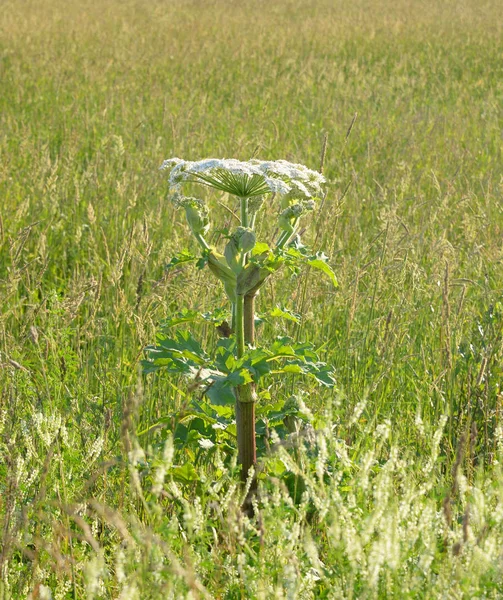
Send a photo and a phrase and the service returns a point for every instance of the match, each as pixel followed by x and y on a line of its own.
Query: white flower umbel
pixel 247 179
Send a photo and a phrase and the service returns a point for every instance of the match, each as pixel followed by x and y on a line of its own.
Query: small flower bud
pixel 241 241
pixel 196 211
pixel 288 216
pixel 293 212
pixel 246 238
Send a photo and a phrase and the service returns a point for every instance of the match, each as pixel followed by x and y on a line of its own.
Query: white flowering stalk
pixel 247 179
pixel 297 188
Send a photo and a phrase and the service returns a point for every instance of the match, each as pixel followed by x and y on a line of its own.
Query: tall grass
pixel 93 97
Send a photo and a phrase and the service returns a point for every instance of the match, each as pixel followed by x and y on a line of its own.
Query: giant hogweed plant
pixel 230 374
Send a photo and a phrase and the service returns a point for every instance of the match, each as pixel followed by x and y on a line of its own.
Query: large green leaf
pixel 320 263
pixel 185 474
pixel 183 316
pixel 220 393
pixel 285 313
pixel 284 356
pixel 181 257
pixel 180 354
pixel 297 255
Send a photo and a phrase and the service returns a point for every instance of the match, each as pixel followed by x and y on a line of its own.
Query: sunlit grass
pixel 93 97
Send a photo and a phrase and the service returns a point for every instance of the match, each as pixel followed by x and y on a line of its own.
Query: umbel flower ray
pixel 247 179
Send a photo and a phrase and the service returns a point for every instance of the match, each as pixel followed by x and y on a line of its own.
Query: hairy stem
pixel 244 211
pixel 286 235
pixel 202 242
pixel 244 223
pixel 252 221
pixel 245 419
pixel 249 318
pixel 245 394
pixel 245 415
pixel 240 333
pixel 233 316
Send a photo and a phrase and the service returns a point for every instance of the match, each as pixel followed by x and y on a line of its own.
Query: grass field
pixel 398 491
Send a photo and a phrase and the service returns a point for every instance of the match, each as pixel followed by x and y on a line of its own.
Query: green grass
pixel 93 96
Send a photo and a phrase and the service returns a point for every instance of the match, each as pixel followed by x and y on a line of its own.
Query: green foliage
pixel 285 313
pixel 297 255
pixel 218 373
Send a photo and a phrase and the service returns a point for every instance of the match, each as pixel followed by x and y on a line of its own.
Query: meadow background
pixel 398 489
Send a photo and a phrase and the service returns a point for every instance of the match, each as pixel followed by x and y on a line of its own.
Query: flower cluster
pixel 295 186
pixel 196 211
pixel 292 213
pixel 247 179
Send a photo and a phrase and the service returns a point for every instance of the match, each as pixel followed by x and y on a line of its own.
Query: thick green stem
pixel 252 221
pixel 233 316
pixel 245 419
pixel 244 223
pixel 286 235
pixel 202 242
pixel 245 414
pixel 244 211
pixel 245 394
pixel 249 318
pixel 240 332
